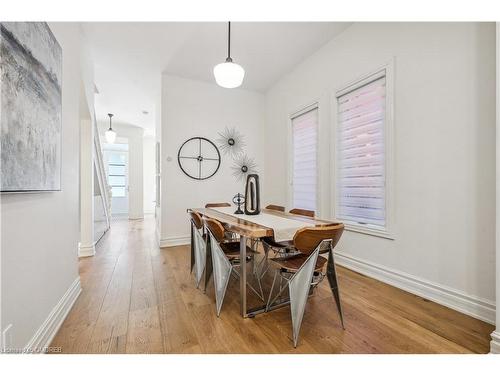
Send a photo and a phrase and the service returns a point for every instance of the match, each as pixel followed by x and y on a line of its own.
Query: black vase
pixel 252 195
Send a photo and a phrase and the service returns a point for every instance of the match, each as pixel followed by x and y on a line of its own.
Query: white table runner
pixel 284 228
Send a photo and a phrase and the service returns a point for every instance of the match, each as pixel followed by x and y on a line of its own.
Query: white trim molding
pixel 174 241
pixel 476 307
pixel 495 336
pixel 45 334
pixel 86 250
pixel 495 343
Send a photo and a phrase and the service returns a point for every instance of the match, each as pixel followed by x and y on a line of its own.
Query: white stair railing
pixel 101 176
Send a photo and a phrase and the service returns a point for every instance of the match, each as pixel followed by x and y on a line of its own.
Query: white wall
pixel 192 108
pixel 158 163
pixel 444 120
pixel 86 246
pixel 149 174
pixel 40 232
pixel 136 181
pixel 134 136
pixel 495 336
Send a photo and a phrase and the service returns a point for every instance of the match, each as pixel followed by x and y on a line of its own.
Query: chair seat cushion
pixel 294 262
pixel 232 249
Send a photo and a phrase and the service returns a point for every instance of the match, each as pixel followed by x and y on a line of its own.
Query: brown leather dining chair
pixel 275 207
pixel 279 248
pixel 303 212
pixel 223 204
pixel 305 270
pixel 284 248
pixel 226 260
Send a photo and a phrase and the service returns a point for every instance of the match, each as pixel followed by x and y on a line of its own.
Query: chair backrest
pixel 306 240
pixel 196 219
pixel 275 208
pixel 208 205
pixel 215 227
pixel 301 211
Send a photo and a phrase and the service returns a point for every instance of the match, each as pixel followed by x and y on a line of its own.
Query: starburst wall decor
pixel 243 166
pixel 231 142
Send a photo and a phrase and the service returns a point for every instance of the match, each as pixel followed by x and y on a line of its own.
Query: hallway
pixel 137 298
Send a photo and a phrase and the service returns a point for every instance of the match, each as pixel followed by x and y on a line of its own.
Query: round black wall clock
pixel 199 158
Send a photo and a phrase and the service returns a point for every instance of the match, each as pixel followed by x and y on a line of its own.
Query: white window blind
pixel 305 139
pixel 361 192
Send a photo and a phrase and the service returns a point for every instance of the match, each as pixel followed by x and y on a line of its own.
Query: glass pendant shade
pixel 110 136
pixel 229 75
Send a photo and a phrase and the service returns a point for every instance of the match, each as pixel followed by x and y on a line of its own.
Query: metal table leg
pixel 243 276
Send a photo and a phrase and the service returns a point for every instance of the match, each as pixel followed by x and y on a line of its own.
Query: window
pixel 304 168
pixel 361 149
pixel 117 162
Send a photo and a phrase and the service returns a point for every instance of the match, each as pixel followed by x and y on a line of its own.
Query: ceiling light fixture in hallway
pixel 110 133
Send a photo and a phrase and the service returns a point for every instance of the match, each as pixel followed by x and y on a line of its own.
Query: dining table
pixel 280 226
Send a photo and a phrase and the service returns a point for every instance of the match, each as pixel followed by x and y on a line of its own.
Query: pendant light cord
pixel 229 42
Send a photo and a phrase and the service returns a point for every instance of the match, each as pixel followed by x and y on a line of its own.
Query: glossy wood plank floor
pixel 138 298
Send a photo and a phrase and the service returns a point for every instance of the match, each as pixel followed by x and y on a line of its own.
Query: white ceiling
pixel 130 57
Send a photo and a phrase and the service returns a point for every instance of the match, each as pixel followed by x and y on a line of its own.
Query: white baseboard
pixel 86 250
pixel 495 342
pixel 174 241
pixel 474 306
pixel 45 334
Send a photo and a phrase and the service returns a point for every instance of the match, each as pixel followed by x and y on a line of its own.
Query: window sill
pixel 351 227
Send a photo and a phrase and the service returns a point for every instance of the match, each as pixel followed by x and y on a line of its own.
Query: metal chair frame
pixel 208 266
pixel 198 253
pixel 279 252
pixel 193 229
pixel 298 291
pixel 221 263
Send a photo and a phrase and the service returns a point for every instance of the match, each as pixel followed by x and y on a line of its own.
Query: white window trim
pixel 314 105
pixel 388 232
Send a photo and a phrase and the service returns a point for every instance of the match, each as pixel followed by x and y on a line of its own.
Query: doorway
pixel 116 162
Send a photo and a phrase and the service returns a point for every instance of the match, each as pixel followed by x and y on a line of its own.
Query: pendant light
pixel 110 133
pixel 229 74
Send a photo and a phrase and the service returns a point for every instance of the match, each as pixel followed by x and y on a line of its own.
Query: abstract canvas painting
pixel 30 107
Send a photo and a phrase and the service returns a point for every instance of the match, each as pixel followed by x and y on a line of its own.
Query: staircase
pixel 102 191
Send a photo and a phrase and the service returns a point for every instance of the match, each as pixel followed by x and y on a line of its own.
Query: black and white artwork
pixel 30 106
pixel 231 142
pixel 243 166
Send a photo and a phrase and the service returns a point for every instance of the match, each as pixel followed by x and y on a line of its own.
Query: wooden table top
pixel 253 230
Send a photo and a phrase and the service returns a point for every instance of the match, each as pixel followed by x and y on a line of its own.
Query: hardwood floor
pixel 138 298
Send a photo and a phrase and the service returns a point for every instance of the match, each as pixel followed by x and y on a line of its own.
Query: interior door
pixel 117 163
